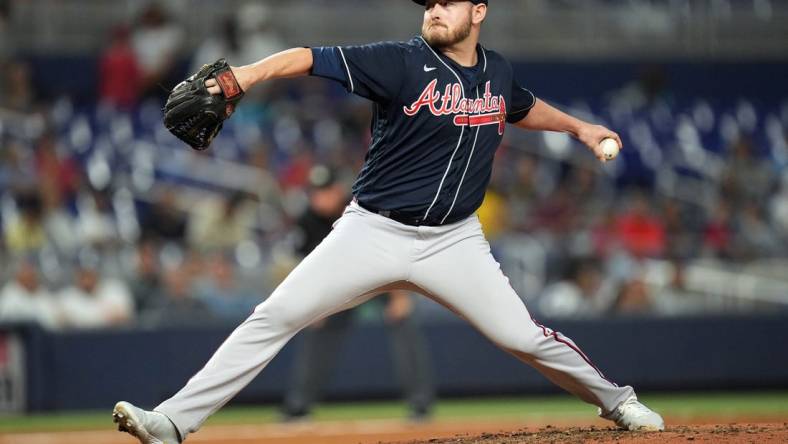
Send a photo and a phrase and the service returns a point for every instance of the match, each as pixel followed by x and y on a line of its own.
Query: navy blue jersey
pixel 435 125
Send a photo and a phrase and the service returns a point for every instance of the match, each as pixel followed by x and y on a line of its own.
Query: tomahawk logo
pixel 486 110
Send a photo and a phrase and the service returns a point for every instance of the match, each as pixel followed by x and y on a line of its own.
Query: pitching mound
pixel 719 433
pixel 439 432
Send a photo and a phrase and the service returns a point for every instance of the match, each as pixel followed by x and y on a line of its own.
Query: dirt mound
pixel 439 432
pixel 714 433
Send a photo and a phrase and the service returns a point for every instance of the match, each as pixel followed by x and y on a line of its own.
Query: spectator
pixel 194 265
pixel 94 301
pixel 681 228
pixel 591 194
pixel 650 86
pixel 525 186
pixel 295 173
pixel 641 231
pixel 16 167
pixel 41 217
pixel 603 234
pixel 17 88
pixel 222 293
pixel 754 237
pixel 555 213
pixel 493 215
pixel 61 228
pixel 96 219
pixel 592 197
pixel 675 299
pixel 223 44
pixel 243 39
pixel 146 282
pixel 718 233
pixel 220 224
pixel 176 307
pixel 164 221
pixel 633 299
pixel 746 177
pixel 25 233
pixel 24 299
pixel 156 40
pixel 270 205
pixel 577 295
pixel 778 209
pixel 57 173
pixel 258 28
pixel 120 76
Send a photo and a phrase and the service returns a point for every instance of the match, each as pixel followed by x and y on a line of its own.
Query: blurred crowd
pixel 84 245
pixel 599 243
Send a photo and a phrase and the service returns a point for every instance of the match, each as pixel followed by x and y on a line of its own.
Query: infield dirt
pixel 716 433
pixel 438 432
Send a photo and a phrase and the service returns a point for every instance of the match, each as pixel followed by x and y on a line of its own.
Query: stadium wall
pixel 92 370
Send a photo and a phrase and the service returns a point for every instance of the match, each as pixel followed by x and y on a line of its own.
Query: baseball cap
pixel 475 2
pixel 321 176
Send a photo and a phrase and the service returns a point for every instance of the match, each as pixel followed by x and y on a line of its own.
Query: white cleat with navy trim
pixel 634 416
pixel 148 427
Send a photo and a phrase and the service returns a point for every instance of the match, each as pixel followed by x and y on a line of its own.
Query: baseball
pixel 609 148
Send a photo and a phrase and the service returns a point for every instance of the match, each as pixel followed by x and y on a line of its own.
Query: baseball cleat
pixel 148 427
pixel 634 416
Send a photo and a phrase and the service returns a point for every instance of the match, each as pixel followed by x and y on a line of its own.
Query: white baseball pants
pixel 364 255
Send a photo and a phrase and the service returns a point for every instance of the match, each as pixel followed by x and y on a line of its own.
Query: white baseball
pixel 609 148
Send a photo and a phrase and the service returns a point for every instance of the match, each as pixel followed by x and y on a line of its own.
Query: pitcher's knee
pixel 517 341
pixel 282 316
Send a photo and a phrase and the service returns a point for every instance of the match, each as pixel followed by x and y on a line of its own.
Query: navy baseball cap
pixel 475 2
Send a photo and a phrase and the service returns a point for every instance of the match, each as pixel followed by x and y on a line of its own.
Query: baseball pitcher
pixel 441 104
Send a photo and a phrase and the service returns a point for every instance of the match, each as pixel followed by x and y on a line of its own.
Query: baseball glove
pixel 193 114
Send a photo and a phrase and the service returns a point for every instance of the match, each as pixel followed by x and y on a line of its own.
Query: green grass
pixel 678 405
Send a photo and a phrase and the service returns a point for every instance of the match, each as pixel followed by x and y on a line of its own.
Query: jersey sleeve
pixel 522 102
pixel 374 71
